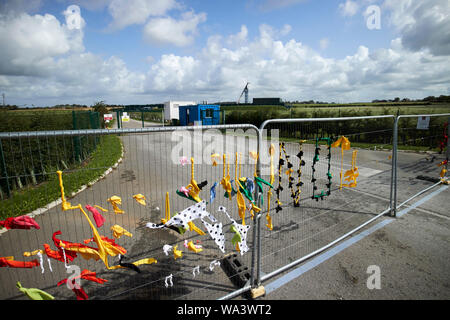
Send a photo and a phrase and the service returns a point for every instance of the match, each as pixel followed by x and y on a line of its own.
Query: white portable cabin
pixel 171 110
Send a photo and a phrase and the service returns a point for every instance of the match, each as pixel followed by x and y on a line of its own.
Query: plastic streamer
pixel 299 174
pixel 279 187
pixel 213 264
pixel 269 193
pixel 168 281
pixel 196 270
pixel 322 194
pixel 193 187
pixel 289 172
pixel 239 197
pixel 344 143
pixel 352 174
pixel 225 182
pixel 167 248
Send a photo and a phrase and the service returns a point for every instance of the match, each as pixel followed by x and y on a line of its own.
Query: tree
pixel 100 107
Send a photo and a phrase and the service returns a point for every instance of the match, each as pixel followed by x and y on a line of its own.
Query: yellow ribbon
pixel 193 187
pixel 269 193
pixel 167 210
pixel 140 198
pixel 119 231
pixel 177 253
pixel 214 158
pixel 239 197
pixel 345 145
pixel 115 201
pixel 192 247
pixel 225 182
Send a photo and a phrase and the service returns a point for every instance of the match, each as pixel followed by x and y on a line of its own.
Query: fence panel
pixel 421 155
pixel 145 161
pixel 314 213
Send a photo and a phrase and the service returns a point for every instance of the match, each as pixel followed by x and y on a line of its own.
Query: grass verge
pixel 107 153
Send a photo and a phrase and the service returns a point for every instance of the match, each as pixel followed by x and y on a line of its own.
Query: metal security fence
pixel 148 164
pixel 329 186
pixel 277 194
pixel 24 162
pixel 421 152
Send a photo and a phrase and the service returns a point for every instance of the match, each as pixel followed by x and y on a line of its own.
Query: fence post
pixel 3 170
pixel 448 143
pixel 258 217
pixel 255 276
pixel 76 139
pixel 118 119
pixel 393 192
pixel 93 124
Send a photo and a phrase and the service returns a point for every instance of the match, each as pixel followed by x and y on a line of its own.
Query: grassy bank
pixel 106 154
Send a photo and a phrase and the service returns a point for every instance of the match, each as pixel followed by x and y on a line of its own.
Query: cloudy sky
pixel 151 51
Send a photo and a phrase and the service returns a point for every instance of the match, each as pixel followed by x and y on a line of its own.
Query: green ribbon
pixel 35 294
pixel 237 237
pixel 181 194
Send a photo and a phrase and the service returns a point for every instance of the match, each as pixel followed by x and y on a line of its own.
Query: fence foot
pixel 258 292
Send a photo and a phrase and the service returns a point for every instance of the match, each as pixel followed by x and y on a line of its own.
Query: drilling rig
pixel 246 94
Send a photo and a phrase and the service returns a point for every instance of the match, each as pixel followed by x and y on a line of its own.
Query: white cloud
pixel 173 72
pixel 421 24
pixel 45 60
pixel 349 8
pixel 294 71
pixel 167 30
pixel 34 41
pixel 78 78
pixel 42 64
pixel 129 12
pixel 238 39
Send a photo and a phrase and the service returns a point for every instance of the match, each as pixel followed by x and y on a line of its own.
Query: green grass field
pixel 48 119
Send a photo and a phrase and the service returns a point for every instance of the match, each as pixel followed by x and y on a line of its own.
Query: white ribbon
pixel 212 264
pixel 167 248
pixel 49 265
pixel 196 270
pixel 41 261
pixel 65 259
pixel 168 278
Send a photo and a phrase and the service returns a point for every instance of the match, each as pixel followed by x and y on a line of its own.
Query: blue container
pixel 205 114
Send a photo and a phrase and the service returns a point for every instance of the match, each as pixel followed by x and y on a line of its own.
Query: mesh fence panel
pixel 325 211
pixel 422 153
pixel 146 167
